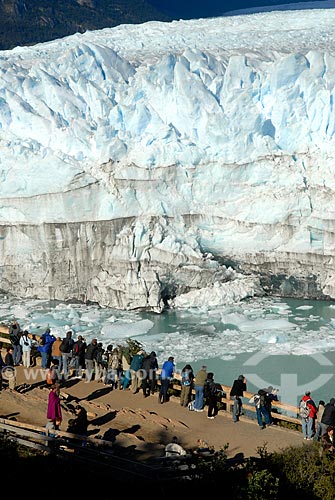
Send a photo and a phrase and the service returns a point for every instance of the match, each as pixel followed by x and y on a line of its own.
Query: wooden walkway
pixel 282 412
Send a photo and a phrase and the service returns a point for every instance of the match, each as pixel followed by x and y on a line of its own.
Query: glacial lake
pixel 286 343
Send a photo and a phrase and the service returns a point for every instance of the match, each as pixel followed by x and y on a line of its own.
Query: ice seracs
pixel 141 163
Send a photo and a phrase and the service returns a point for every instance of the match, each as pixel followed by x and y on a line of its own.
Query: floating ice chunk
pixel 264 324
pixel 218 294
pixel 127 330
pixel 270 338
pixel 19 312
pixel 48 320
pixel 91 316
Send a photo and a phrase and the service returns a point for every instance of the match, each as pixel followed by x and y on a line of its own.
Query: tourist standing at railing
pixel 14 337
pixel 125 375
pixel 114 367
pixel 25 343
pixel 211 395
pixel 328 417
pixel 100 364
pixel 78 356
pixel 271 395
pixel 45 346
pixel 263 417
pixel 307 423
pixel 56 353
pixel 66 350
pixel 90 355
pixel 236 393
pixel 166 375
pixel 319 415
pixel 150 367
pixel 187 378
pixel 136 371
pixel 199 384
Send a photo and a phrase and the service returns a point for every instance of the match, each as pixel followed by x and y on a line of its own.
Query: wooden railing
pixel 87 449
pixel 40 434
pixel 282 412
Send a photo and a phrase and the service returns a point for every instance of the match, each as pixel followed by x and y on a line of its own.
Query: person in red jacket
pixel 307 423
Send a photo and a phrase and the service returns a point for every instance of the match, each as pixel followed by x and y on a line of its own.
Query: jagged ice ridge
pixel 168 163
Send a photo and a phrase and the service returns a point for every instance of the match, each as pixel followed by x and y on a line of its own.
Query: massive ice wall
pixel 142 162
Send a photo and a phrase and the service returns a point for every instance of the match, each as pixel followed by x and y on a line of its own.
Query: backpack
pixel 99 356
pixel 210 389
pixel 303 409
pixel 185 378
pixel 15 340
pixel 66 345
pixel 256 399
pixel 263 399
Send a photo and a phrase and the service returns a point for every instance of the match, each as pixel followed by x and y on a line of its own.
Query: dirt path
pixel 141 426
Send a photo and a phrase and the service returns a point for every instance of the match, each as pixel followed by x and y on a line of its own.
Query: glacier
pixel 158 165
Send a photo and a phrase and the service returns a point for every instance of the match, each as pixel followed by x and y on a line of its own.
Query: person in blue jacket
pixel 46 341
pixel 166 375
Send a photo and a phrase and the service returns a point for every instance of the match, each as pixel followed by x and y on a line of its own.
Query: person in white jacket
pixel 26 344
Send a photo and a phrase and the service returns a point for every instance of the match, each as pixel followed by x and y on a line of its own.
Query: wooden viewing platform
pixel 282 412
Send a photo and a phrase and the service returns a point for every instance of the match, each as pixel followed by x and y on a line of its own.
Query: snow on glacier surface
pixel 146 98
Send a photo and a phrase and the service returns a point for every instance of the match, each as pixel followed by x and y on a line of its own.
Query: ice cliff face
pixel 143 162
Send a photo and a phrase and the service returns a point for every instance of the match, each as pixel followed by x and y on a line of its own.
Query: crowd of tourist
pixel 118 367
pixel 318 421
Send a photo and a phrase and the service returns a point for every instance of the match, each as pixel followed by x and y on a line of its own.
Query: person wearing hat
pixel 236 393
pixel 271 395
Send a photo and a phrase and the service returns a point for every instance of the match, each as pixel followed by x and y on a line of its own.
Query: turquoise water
pixel 292 358
pixel 289 344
